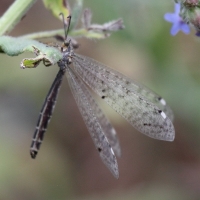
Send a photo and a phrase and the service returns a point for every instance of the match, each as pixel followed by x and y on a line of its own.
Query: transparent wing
pixel 107 128
pixel 143 109
pixel 88 108
pixel 150 96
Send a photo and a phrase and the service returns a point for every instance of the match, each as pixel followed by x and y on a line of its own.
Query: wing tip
pixel 171 138
pixel 168 137
pixel 116 176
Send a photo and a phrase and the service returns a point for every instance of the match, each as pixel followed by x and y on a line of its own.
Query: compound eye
pixel 66 43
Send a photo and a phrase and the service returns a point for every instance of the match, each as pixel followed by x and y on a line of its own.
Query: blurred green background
pixel 68 165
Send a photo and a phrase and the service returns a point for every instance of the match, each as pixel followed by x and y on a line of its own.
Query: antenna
pixel 66 27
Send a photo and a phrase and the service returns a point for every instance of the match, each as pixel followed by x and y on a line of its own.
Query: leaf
pixel 15 46
pixel 31 62
pixel 57 7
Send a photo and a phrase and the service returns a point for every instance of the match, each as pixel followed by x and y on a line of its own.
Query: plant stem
pixel 43 34
pixel 14 14
pixel 75 33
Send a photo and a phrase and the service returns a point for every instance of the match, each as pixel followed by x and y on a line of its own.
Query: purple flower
pixel 177 21
pixel 198 34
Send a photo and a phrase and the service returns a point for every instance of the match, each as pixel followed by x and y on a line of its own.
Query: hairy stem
pixel 14 14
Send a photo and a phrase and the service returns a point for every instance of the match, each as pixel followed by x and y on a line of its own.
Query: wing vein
pixel 120 94
pixel 86 106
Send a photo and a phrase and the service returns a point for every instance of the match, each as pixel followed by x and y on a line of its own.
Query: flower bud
pixel 191 3
pixel 179 1
pixel 194 17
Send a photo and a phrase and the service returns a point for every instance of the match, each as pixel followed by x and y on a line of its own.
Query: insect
pixel 142 108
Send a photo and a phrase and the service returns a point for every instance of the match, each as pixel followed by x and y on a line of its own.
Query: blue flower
pixel 177 21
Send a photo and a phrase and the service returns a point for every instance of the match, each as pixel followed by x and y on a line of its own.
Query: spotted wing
pixel 142 108
pixel 92 119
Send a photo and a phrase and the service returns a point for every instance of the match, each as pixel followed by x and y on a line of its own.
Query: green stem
pixel 76 12
pixel 43 34
pixel 75 33
pixel 14 14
